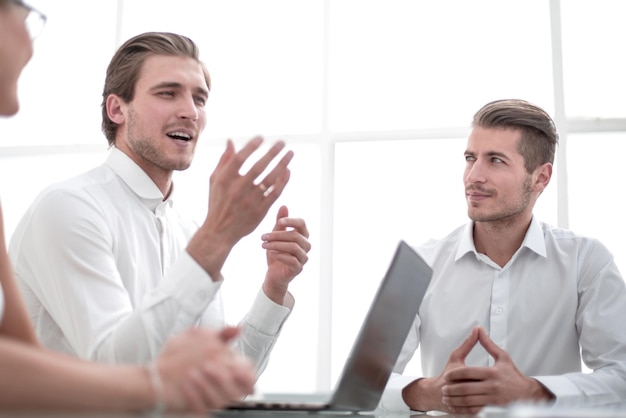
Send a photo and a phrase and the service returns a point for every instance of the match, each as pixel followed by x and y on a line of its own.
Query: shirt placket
pixel 498 318
pixel 164 238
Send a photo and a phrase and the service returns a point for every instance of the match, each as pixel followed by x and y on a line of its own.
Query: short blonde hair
pixel 123 70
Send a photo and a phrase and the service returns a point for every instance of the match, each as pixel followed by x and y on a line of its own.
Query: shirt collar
pixel 534 240
pixel 136 179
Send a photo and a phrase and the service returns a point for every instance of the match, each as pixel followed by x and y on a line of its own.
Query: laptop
pixel 377 346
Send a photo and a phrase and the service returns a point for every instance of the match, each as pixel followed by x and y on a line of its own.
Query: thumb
pixel 229 333
pixel 283 212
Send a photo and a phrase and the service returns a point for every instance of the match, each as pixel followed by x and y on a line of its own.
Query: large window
pixel 374 97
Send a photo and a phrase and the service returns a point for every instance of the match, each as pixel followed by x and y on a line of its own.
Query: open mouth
pixel 181 136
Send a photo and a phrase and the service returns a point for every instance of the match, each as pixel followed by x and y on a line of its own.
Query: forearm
pixel 44 380
pixel 15 321
pixel 260 330
pixel 209 250
pixel 423 395
pixel 139 337
pixel 122 333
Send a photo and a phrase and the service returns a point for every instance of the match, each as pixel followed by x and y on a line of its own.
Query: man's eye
pixel 469 158
pixel 201 101
pixel 166 93
pixel 496 160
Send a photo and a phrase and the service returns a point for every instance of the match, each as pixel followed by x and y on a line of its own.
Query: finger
pixel 291 262
pixel 298 235
pixel 228 379
pixel 295 230
pixel 195 403
pixel 208 384
pixel 461 403
pixel 250 147
pixel 263 162
pixel 492 348
pixel 277 187
pixel 277 172
pixel 283 212
pixel 465 381
pixel 227 155
pixel 459 375
pixel 461 352
pixel 286 251
pixel 244 376
pixel 232 161
pixel 298 224
pixel 229 333
pixel 275 190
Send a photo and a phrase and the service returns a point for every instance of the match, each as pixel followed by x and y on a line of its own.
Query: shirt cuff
pixel 266 316
pixel 563 389
pixel 392 400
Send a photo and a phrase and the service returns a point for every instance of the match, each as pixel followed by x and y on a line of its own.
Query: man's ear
pixel 116 109
pixel 542 175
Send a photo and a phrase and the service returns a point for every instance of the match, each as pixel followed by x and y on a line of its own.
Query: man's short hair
pixel 539 137
pixel 123 70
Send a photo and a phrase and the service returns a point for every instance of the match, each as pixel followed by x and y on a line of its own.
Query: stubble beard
pixel 145 148
pixel 510 212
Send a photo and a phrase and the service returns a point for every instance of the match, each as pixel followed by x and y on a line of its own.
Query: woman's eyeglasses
pixel 33 18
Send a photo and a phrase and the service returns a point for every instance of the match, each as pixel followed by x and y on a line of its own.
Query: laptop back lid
pixel 383 332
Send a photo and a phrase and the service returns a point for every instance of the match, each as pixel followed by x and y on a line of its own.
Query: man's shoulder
pixel 562 240
pixel 435 248
pixel 558 233
pixel 96 177
pixel 449 239
pixel 69 195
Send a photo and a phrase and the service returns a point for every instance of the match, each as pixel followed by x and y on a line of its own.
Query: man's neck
pixel 161 178
pixel 500 240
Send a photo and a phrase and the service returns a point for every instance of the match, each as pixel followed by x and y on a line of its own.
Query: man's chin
pixel 181 165
pixel 481 217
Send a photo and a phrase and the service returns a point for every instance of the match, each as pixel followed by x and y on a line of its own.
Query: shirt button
pixel 498 310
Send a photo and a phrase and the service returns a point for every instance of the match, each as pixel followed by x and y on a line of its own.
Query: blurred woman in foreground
pixel 196 370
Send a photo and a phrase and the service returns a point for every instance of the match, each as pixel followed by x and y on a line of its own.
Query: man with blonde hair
pixel 109 268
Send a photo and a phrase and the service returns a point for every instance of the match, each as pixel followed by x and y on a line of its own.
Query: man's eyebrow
pixel 489 154
pixel 176 85
pixel 202 91
pixel 498 154
pixel 164 84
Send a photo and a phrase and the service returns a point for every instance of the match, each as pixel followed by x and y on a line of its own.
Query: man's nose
pixel 475 173
pixel 188 109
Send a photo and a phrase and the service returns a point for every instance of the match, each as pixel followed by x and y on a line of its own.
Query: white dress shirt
pixel 560 293
pixel 102 265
